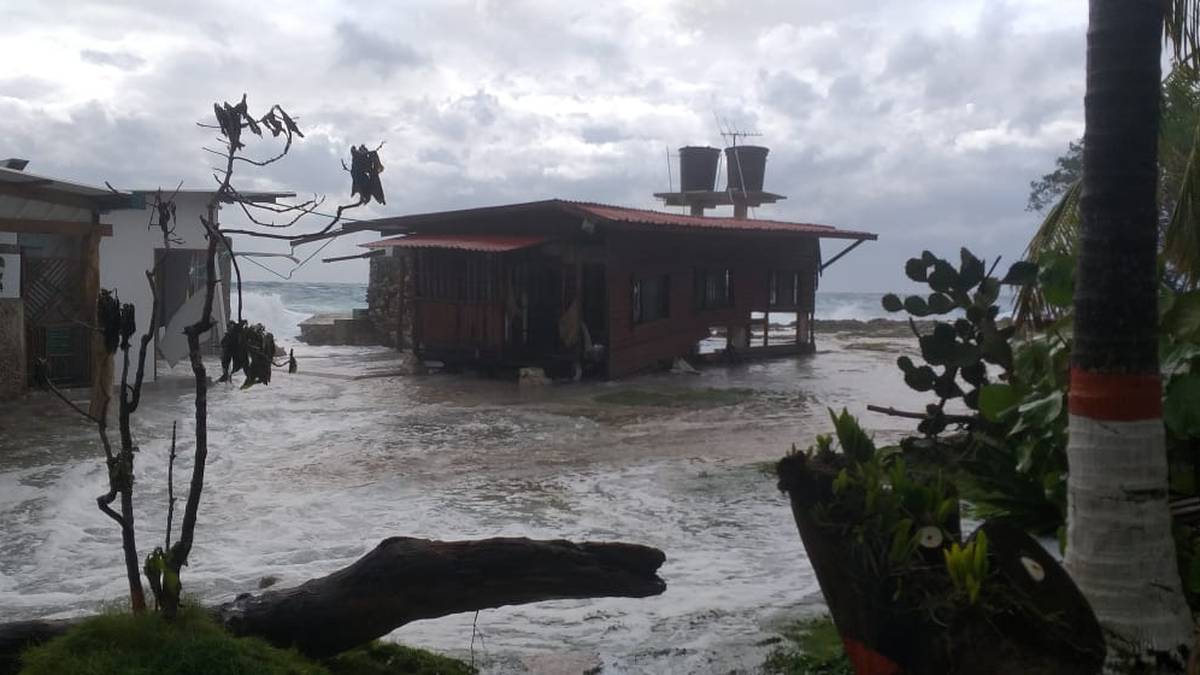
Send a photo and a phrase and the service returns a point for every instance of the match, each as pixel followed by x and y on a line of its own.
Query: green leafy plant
pixel 958 351
pixel 968 566
pixel 888 511
pixel 1017 471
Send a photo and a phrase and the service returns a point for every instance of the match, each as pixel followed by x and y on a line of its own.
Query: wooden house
pixel 571 286
pixel 50 234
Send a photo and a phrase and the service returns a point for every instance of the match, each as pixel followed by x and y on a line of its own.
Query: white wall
pixel 128 254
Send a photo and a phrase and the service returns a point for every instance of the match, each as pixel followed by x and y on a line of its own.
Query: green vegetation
pixel 811 647
pixel 137 644
pixel 192 644
pixel 708 397
pixel 382 658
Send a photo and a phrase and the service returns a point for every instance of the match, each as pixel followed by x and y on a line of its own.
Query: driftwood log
pixel 404 580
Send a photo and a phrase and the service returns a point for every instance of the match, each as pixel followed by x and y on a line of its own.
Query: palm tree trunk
pixel 1119 544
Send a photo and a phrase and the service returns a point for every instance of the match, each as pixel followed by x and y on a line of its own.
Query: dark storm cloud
pixel 919 120
pixel 786 92
pixel 361 47
pixel 92 145
pixel 117 59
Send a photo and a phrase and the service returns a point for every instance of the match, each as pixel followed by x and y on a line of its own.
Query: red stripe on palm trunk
pixel 1115 397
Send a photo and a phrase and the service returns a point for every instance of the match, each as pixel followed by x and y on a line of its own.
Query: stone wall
pixel 12 348
pixel 388 299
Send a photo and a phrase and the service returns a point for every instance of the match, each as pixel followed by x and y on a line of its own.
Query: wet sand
pixel 308 474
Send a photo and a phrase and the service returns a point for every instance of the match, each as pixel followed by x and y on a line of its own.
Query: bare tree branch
pixel 170 487
pixel 49 386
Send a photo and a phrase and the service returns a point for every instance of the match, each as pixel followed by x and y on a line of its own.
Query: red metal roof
pixel 482 243
pixel 621 214
pixel 494 217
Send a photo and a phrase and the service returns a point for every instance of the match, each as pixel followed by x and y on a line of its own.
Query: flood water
pixel 306 475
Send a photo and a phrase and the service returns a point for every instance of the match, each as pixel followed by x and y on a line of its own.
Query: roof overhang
pixel 257 196
pixel 33 187
pixel 477 243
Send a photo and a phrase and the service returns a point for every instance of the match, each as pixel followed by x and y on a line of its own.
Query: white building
pixel 137 245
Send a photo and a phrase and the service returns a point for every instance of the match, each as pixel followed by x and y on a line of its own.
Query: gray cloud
pixel 118 59
pixel 26 88
pixel 787 93
pixel 360 47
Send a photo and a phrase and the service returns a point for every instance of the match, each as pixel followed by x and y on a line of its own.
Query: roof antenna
pixel 670 179
pixel 731 133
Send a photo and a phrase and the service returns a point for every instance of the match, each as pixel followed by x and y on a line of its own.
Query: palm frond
pixel 1181 26
pixel 1181 237
pixel 1058 234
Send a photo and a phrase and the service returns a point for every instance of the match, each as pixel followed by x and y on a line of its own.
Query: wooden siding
pixel 461 326
pixel 750 259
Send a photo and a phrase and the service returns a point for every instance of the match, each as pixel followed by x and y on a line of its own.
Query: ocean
pixel 309 473
pixel 281 306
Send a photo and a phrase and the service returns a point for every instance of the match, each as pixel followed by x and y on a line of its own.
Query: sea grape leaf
pixel 975 373
pixel 915 269
pixel 891 303
pixel 916 306
pixel 920 379
pixel 963 355
pixel 989 291
pixel 971 399
pixel 946 387
pixel 943 278
pixel 1021 273
pixel 963 327
pixel 938 347
pixel 970 270
pixel 940 303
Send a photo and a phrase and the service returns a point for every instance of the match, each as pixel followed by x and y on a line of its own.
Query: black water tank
pixel 698 168
pixel 745 166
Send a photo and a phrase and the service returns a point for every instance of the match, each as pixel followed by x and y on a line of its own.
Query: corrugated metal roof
pixel 622 214
pixel 599 213
pixel 33 186
pixel 480 243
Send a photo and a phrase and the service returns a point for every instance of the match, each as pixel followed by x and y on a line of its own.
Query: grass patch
pixel 195 645
pixel 681 398
pixel 382 658
pixel 811 647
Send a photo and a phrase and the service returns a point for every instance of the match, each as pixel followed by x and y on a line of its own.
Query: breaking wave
pixel 269 310
pixel 281 306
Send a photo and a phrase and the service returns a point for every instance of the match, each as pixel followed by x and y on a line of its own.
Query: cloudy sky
pixel 923 121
